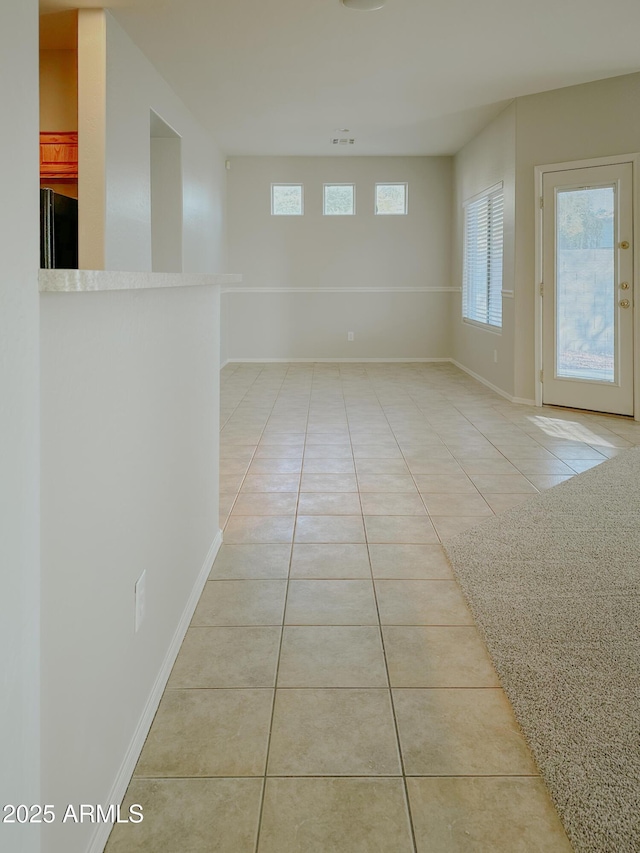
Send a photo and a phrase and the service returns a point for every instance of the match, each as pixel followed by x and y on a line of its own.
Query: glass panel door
pixel 587 328
pixel 586 283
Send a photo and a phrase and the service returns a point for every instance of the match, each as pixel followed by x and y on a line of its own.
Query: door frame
pixel 539 172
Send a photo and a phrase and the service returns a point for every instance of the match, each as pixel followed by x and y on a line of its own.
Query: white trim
pixel 523 401
pixel 485 327
pixel 127 767
pixel 612 160
pixel 482 380
pixel 539 172
pixel 635 212
pixel 537 313
pixel 407 360
pixel 341 289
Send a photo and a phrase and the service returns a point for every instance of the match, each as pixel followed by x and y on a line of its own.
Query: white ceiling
pixel 417 77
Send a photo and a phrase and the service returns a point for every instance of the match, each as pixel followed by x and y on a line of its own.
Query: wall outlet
pixel 350 336
pixel 495 356
pixel 141 599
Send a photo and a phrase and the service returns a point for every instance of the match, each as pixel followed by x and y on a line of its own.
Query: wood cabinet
pixel 59 157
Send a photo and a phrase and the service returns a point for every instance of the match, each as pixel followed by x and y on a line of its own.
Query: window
pixel 482 275
pixel 339 200
pixel 391 199
pixel 287 200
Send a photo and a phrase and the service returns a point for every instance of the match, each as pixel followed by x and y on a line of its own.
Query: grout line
pixel 355 385
pixel 284 615
pixel 220 461
pixel 247 389
pixel 353 776
pixel 351 624
pixel 342 687
pixel 361 388
pixel 276 396
pixel 404 459
pixel 386 666
pixel 244 477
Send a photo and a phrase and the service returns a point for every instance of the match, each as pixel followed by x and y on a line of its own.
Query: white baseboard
pixel 407 360
pixel 127 767
pixel 522 401
pixel 488 384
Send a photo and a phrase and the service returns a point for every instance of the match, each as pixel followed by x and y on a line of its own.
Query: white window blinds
pixel 483 242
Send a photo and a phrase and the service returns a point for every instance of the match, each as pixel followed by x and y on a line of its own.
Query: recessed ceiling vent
pixel 364 5
pixel 342 140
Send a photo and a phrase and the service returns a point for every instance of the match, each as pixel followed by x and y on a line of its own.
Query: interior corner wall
pixel 166 204
pixel 58 90
pixel 134 87
pixel 91 138
pixel 309 280
pixel 19 423
pixel 599 119
pixel 486 160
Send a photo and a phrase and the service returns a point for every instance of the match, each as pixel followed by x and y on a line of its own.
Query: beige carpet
pixel 554 585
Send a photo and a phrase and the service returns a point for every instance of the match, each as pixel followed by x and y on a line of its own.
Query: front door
pixel 587 327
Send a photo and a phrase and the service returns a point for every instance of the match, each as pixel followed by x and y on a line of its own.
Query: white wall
pixel 340 251
pixel 394 255
pixel 488 159
pixel 129 483
pixel 19 428
pixel 91 138
pixel 579 122
pixel 134 88
pixel 166 204
pixel 314 325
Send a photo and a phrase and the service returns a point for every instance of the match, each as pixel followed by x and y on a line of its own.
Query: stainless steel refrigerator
pixel 58 231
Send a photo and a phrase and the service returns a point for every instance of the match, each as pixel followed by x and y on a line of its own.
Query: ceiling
pixel 418 77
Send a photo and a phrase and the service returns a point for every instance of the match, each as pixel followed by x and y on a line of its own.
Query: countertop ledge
pixel 86 281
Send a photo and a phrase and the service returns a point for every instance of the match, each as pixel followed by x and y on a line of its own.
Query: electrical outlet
pixel 495 356
pixel 141 599
pixel 350 336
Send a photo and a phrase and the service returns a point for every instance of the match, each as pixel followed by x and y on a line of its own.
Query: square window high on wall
pixel 287 200
pixel 391 199
pixel 483 248
pixel 339 200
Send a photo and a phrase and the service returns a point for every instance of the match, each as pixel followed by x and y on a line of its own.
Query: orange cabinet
pixel 59 157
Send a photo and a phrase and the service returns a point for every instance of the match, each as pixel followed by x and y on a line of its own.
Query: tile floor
pixel 332 694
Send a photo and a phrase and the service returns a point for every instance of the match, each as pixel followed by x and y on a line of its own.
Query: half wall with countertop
pixel 129 423
pixel 130 381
